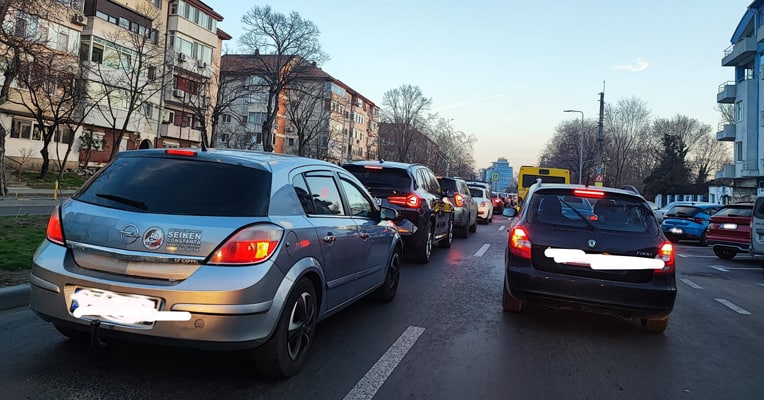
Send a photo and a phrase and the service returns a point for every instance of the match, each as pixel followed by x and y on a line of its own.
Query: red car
pixel 498 203
pixel 729 231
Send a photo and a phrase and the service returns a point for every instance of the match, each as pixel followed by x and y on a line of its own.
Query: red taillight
pixel 459 200
pixel 483 204
pixel 698 220
pixel 411 200
pixel 372 166
pixel 666 253
pixel 54 233
pixel 519 244
pixel 250 245
pixel 179 152
pixel 589 193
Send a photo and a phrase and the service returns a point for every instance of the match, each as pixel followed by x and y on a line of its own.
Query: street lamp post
pixel 580 145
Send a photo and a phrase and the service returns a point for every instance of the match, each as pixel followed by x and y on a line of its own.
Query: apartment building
pixel 744 93
pixel 318 115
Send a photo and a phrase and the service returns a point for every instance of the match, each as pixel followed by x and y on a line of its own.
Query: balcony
pixel 727 171
pixel 178 132
pixel 740 53
pixel 727 92
pixel 726 133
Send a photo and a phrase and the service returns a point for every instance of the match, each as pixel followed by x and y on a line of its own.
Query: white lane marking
pixel 691 283
pixel 719 268
pixel 367 387
pixel 501 228
pixel 733 307
pixel 694 256
pixel 760 284
pixel 743 268
pixel 482 250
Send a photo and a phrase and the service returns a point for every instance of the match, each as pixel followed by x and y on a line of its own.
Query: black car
pixel 614 260
pixel 424 218
pixel 465 207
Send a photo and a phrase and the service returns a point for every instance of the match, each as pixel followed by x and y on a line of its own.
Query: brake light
pixel 666 253
pixel 519 243
pixel 589 193
pixel 698 220
pixel 459 200
pixel 250 245
pixel 372 166
pixel 411 200
pixel 179 152
pixel 483 204
pixel 54 233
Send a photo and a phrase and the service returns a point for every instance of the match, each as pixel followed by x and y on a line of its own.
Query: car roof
pixel 384 164
pixel 572 186
pixel 264 160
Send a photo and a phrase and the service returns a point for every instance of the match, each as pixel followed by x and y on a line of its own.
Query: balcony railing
pixel 180 132
pixel 726 133
pixel 727 92
pixel 740 52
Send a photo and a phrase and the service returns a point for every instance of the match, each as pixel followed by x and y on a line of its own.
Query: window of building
pixel 291 142
pixel 63 40
pixel 148 109
pixel 21 129
pixel 738 151
pixel 225 118
pixel 739 111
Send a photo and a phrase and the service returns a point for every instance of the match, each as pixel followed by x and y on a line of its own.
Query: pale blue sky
pixel 505 70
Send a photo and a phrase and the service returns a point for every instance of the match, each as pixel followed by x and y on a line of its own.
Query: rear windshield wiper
pixel 124 200
pixel 591 226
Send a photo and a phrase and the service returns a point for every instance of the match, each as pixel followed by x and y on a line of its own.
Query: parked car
pixel 757 229
pixel 217 249
pixel 616 261
pixel 729 231
pixel 465 207
pixel 483 200
pixel 689 222
pixel 660 213
pixel 424 218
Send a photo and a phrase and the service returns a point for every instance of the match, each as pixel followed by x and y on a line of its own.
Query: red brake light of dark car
pixel 589 193
pixel 666 253
pixel 411 200
pixel 178 152
pixel 250 245
pixel 54 233
pixel 519 244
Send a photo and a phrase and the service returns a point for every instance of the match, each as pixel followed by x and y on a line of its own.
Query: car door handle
pixel 365 236
pixel 330 238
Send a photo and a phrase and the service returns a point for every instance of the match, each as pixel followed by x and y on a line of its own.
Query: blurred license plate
pixel 127 309
pixel 676 230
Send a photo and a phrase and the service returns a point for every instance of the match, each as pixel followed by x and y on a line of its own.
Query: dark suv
pixel 613 260
pixel 465 207
pixel 424 218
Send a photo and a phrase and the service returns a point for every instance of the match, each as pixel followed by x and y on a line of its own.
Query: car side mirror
pixel 387 214
pixel 509 212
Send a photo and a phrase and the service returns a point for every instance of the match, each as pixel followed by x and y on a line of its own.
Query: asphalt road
pixel 443 337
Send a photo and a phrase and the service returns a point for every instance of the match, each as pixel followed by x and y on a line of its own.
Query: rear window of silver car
pixel 160 185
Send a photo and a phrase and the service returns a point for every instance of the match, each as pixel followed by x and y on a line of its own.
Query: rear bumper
pixel 631 300
pixel 739 246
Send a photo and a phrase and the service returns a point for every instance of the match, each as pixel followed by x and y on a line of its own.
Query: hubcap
pixel 394 271
pixel 301 323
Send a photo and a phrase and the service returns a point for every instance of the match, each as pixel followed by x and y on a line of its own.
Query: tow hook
pixel 95 335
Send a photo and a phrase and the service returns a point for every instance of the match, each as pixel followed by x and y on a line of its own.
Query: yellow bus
pixel 528 176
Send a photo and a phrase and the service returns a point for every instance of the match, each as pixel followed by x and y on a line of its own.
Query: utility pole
pixel 599 181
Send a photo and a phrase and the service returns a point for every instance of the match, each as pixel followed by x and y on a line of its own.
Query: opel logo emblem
pixel 591 243
pixel 129 234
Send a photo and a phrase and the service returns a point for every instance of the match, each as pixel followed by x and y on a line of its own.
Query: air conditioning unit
pixel 79 19
pixel 179 93
pixel 181 57
pixel 201 64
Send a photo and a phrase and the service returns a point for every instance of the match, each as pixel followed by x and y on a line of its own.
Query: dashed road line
pixel 733 307
pixel 760 284
pixel 743 268
pixel 719 268
pixel 501 228
pixel 694 256
pixel 482 250
pixel 367 387
pixel 691 283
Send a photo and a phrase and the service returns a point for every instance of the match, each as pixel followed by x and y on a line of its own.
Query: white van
pixel 757 228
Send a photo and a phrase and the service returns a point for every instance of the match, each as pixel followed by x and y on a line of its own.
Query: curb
pixel 14 296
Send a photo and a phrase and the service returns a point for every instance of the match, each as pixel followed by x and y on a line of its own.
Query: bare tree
pixel 405 108
pixel 726 113
pixel 562 151
pixel 709 154
pixel 288 46
pixel 308 114
pixel 456 149
pixel 626 127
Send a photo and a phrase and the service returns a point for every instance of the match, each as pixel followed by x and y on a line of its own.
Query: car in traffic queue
pixel 424 217
pixel 615 261
pixel 214 249
pixel 729 230
pixel 498 203
pixel 483 200
pixel 660 212
pixel 465 208
pixel 689 222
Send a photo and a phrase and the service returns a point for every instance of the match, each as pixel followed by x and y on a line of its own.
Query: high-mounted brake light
pixel 666 253
pixel 519 243
pixel 372 166
pixel 179 152
pixel 55 233
pixel 589 193
pixel 411 200
pixel 250 245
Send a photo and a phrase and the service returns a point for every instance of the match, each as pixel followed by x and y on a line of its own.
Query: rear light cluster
pixel 459 200
pixel 666 253
pixel 251 245
pixel 54 232
pixel 519 243
pixel 412 201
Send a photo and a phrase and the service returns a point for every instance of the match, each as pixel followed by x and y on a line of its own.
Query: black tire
pixel 473 227
pixel 423 252
pixel 655 325
pixel 71 333
pixel 445 243
pixel 463 232
pixel 725 253
pixel 704 239
pixel 490 219
pixel 284 353
pixel 509 303
pixel 389 288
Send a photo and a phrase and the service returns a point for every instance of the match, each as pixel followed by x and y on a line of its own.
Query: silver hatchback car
pixel 218 249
